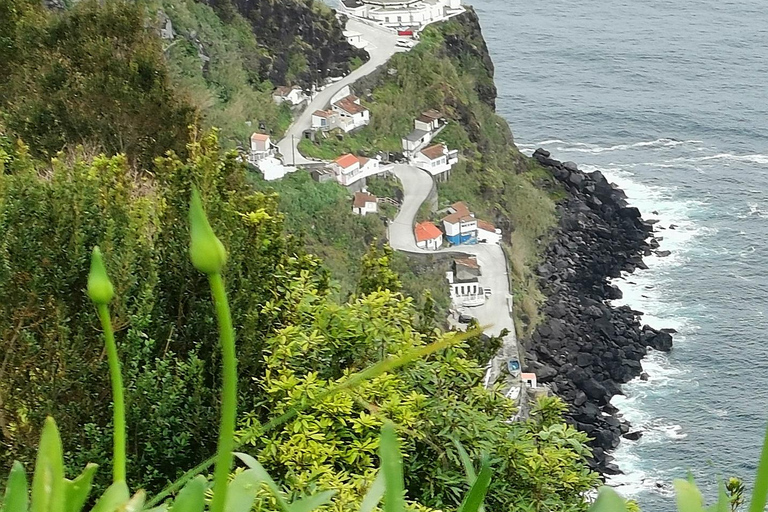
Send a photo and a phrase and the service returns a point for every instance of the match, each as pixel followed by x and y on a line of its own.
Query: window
pixel 399 19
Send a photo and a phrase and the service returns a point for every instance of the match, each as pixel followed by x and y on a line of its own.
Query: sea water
pixel 669 100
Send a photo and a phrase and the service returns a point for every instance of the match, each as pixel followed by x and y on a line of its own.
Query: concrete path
pixel 495 314
pixel 381 46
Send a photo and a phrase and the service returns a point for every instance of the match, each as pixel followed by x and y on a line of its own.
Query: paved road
pixel 495 313
pixel 381 46
pixel 416 187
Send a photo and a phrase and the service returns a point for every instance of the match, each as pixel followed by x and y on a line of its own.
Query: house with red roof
pixel 351 113
pixel 487 233
pixel 286 94
pixel 324 120
pixel 261 147
pixel 428 236
pixel 437 160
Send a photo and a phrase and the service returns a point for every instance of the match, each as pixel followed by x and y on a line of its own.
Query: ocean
pixel 668 100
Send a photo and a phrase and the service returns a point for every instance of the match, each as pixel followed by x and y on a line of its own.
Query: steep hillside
pixel 450 70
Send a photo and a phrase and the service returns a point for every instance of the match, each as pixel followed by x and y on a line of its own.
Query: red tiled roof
pixel 460 213
pixel 361 198
pixel 349 105
pixel 426 231
pixel 432 114
pixel 434 152
pixel 261 137
pixel 347 160
pixel 322 113
pixel 486 226
pixel 363 160
pixel 460 206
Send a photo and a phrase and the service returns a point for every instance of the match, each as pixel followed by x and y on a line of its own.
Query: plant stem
pixel 118 402
pixel 760 492
pixel 228 393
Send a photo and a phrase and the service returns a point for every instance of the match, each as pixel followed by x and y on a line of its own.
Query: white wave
pixel 727 157
pixel 754 211
pixel 594 149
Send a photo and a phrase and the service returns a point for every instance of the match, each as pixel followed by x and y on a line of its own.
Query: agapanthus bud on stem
pixel 100 288
pixel 205 250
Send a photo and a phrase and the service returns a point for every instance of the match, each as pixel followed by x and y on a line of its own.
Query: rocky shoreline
pixel 585 349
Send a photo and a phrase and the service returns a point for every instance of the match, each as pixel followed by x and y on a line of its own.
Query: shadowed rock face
pixel 292 30
pixel 585 348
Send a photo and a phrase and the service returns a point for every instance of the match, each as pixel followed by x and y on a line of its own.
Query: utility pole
pixel 293 150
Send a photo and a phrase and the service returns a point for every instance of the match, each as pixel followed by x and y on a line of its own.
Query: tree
pixel 377 273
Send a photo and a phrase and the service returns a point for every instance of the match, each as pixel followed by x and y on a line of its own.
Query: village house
pixel 460 225
pixel 364 203
pixel 354 38
pixel 350 168
pixel 401 13
pixel 285 94
pixel 529 380
pixel 437 160
pixel 351 114
pixel 415 140
pixel 487 233
pixel 464 282
pixel 428 236
pixel 323 175
pixel 324 120
pixel 261 147
pixel 425 127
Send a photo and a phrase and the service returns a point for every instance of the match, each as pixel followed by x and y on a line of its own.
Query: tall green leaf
pixel 192 496
pixel 16 492
pixel 77 490
pixel 242 491
pixel 48 480
pixel 392 467
pixel 313 502
pixel 688 497
pixel 473 501
pixel 115 496
pixel 608 500
pixel 374 494
pixel 263 477
pixel 760 492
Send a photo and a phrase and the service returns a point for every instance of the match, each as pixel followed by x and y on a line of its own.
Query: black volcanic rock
pixel 587 347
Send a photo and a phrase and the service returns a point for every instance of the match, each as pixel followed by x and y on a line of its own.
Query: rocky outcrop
pixel 291 33
pixel 585 349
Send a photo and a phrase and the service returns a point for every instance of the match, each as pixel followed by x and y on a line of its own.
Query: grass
pixel 330 145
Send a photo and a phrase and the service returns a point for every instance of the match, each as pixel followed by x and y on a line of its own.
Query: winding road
pixel 380 47
pixel 495 314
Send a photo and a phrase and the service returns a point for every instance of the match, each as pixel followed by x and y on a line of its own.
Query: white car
pixel 405 43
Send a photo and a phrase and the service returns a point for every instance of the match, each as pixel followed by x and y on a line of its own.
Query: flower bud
pixel 100 288
pixel 205 250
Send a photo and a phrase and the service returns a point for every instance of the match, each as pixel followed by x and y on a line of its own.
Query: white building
pixel 292 95
pixel 460 225
pixel 364 203
pixel 487 233
pixel 355 38
pixel 414 140
pixel 402 13
pixel 324 120
pixel 261 147
pixel 464 282
pixel 351 114
pixel 437 160
pixel 428 236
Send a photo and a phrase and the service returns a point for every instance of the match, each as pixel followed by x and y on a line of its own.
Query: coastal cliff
pixel 586 348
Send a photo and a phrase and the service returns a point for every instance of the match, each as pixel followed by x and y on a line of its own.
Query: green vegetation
pixel 449 70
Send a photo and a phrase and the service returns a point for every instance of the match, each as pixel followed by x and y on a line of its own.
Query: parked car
pixel 405 43
pixel 465 319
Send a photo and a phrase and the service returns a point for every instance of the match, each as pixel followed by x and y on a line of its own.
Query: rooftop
pixel 415 135
pixel 347 160
pixel 426 231
pixel 487 226
pixel 349 104
pixel 323 113
pixel 432 114
pixel 260 137
pixel 434 152
pixel 362 198
pixel 467 262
